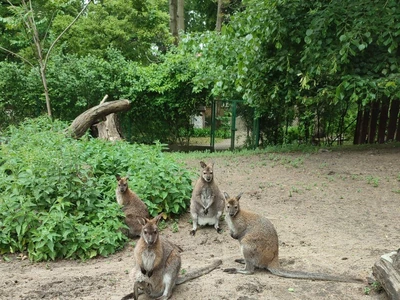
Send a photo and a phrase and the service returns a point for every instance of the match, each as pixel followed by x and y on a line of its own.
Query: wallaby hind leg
pixel 248 253
pixel 194 221
pixel 240 261
pixel 248 270
pixel 137 290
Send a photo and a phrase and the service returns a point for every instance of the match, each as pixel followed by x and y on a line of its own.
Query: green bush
pixel 206 132
pixel 57 195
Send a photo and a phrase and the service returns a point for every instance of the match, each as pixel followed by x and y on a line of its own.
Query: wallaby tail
pixel 313 276
pixel 199 272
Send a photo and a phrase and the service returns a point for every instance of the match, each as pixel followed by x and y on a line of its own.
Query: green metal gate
pixel 256 125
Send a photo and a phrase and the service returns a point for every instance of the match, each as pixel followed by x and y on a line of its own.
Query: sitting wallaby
pixel 207 202
pixel 157 264
pixel 132 206
pixel 259 244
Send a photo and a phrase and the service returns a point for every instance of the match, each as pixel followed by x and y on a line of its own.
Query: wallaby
pixel 132 206
pixel 207 202
pixel 157 264
pixel 259 244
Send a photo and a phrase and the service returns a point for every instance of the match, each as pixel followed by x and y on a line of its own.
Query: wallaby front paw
pixel 143 271
pixel 231 270
pixel 206 211
pixel 193 232
pixel 150 273
pixel 219 230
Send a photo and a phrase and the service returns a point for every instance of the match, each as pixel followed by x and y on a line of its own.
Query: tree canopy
pixel 314 64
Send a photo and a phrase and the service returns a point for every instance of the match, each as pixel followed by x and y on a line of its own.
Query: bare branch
pixel 104 99
pixel 17 55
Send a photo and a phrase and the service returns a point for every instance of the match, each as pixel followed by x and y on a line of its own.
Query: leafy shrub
pixel 57 195
pixel 206 132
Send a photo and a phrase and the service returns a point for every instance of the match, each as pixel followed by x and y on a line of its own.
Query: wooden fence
pixel 378 123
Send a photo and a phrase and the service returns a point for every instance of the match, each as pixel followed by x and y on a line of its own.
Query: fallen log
pixel 387 273
pixel 83 122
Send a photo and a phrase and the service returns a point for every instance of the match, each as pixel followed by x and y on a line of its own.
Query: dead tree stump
pixel 387 271
pixel 105 111
pixel 108 129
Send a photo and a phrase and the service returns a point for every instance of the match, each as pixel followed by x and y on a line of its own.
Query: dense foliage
pixel 57 195
pixel 299 66
pixel 303 60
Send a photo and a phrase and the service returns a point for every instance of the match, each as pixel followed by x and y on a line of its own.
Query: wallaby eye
pixel 228 206
pixel 155 231
pixel 235 207
pixel 145 231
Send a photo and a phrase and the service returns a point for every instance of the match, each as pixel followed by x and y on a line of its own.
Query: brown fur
pixel 132 206
pixel 259 244
pixel 207 202
pixel 157 264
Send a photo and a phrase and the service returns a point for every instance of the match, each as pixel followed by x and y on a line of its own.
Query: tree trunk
pixel 220 16
pixel 108 129
pixel 387 274
pixel 181 15
pixel 173 19
pixel 83 122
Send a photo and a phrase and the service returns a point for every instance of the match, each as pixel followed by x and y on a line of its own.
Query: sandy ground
pixel 335 212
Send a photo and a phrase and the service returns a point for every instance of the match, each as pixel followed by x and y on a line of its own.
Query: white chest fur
pixel 119 197
pixel 148 258
pixel 229 222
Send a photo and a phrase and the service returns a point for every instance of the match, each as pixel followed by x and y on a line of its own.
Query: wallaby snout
pixel 207 177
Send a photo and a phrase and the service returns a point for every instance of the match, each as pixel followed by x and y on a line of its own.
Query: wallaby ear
pixel 238 196
pixel 158 218
pixel 226 196
pixel 142 221
pixel 212 164
pixel 203 164
pixel 118 177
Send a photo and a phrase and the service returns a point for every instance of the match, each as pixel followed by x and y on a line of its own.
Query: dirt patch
pixel 335 212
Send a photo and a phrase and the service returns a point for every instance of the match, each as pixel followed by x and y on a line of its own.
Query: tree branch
pixel 17 55
pixel 64 31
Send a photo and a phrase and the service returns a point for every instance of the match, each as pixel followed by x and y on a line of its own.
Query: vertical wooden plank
pixel 383 118
pixel 393 119
pixel 364 126
pixel 373 122
pixel 357 133
pixel 398 131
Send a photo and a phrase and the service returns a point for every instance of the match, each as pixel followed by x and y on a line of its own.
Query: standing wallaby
pixel 207 202
pixel 132 206
pixel 157 264
pixel 259 244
